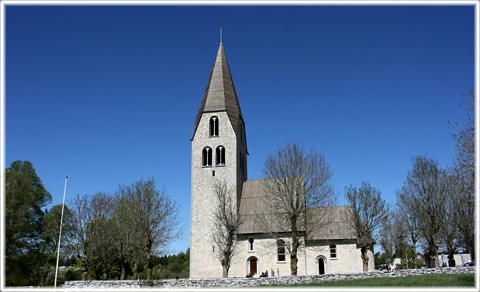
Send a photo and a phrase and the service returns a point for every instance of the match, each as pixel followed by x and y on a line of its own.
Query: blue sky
pixel 109 94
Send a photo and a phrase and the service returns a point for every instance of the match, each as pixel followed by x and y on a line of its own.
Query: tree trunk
pixel 293 264
pixel 414 250
pixel 84 269
pixel 135 270
pixel 364 251
pixel 225 272
pixel 105 268
pixel 148 251
pixel 122 275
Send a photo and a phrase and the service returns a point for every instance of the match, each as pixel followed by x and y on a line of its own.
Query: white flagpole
pixel 60 235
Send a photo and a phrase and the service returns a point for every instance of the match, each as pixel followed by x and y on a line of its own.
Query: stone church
pixel 219 153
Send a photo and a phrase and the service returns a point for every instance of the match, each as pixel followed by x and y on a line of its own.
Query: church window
pixel 207 156
pixel 333 251
pixel 220 154
pixel 281 250
pixel 213 126
pixel 250 244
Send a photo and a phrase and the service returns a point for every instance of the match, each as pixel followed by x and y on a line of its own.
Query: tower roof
pixel 220 94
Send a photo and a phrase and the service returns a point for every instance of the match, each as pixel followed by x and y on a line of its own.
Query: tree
pixel 101 230
pixel 464 135
pixel 368 212
pixel 156 217
pixel 51 234
pixel 128 239
pixel 295 180
pixel 25 196
pixel 407 210
pixel 425 188
pixel 81 240
pixel 226 225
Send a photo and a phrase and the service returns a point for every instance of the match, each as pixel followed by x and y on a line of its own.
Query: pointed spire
pixel 220 94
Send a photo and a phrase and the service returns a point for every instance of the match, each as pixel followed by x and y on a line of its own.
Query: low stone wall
pixel 250 282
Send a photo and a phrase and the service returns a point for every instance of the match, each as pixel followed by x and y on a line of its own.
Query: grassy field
pixel 444 280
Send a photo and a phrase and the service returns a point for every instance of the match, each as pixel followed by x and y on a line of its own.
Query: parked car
pixel 469 264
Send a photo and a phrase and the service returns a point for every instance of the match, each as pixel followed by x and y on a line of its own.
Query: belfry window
pixel 281 250
pixel 333 251
pixel 207 156
pixel 213 126
pixel 220 155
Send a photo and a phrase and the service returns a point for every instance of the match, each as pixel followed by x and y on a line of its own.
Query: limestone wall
pixel 203 261
pixel 249 282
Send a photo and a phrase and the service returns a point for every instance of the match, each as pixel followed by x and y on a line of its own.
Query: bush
pixel 73 274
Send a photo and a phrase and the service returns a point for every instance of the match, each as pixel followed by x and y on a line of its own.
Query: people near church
pixel 272 272
pixel 255 276
pixel 262 275
pixel 266 273
pixel 278 273
pixel 249 275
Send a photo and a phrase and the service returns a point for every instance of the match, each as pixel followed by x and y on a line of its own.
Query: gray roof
pixel 323 223
pixel 220 94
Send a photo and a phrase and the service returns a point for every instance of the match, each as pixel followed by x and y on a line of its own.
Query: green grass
pixel 443 280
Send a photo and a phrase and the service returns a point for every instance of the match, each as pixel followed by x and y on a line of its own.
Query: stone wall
pixel 249 282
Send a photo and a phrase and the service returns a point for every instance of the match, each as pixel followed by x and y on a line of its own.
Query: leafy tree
pixel 25 196
pixel 156 217
pixel 368 212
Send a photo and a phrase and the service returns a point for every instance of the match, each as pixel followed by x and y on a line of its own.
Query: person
pixel 255 276
pixel 262 275
pixel 278 273
pixel 273 272
pixel 266 273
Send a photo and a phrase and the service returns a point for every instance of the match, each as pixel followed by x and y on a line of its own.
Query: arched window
pixel 214 126
pixel 250 244
pixel 207 156
pixel 281 250
pixel 333 251
pixel 220 155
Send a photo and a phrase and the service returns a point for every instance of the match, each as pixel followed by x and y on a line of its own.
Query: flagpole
pixel 60 235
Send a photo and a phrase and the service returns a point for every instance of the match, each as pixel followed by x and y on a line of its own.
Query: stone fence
pixel 250 282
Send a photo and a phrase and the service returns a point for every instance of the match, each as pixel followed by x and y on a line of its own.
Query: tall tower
pixel 219 154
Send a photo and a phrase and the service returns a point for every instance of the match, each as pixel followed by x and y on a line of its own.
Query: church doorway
pixel 252 266
pixel 321 265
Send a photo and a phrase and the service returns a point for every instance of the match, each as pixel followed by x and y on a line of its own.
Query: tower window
pixel 207 156
pixel 214 126
pixel 333 251
pixel 281 250
pixel 220 154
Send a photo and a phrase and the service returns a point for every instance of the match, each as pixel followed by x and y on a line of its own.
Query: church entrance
pixel 321 262
pixel 252 266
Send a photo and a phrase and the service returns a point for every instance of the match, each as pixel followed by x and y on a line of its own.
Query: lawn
pixel 443 280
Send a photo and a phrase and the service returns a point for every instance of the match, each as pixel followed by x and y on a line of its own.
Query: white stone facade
pixel 203 262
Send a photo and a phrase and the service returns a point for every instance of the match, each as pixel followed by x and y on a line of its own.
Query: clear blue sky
pixel 108 95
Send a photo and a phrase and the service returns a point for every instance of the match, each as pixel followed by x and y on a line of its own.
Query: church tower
pixel 219 154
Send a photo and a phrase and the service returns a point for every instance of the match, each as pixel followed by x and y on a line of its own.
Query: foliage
pixel 25 241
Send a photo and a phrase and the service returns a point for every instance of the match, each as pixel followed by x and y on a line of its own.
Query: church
pixel 219 153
